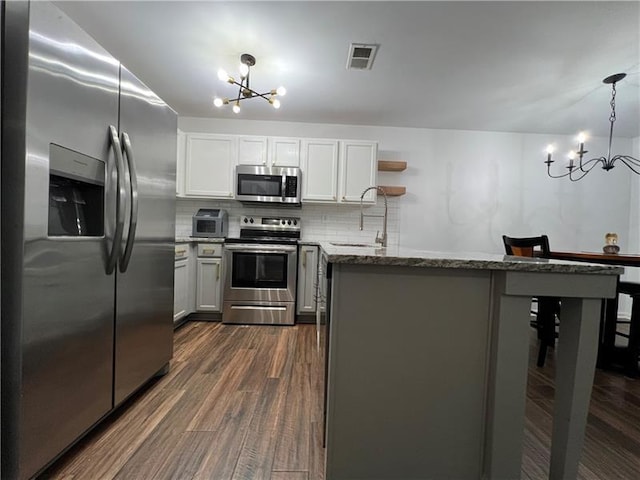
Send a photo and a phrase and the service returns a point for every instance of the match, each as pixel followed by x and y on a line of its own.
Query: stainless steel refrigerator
pixel 87 225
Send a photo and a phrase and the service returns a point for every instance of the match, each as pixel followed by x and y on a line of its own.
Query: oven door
pixel 260 273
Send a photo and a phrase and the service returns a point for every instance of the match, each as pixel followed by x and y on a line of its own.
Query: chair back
pixel 526 246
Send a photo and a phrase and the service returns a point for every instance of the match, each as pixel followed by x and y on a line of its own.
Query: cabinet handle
pixel 264 162
pixel 217 271
pixel 207 250
pixel 180 253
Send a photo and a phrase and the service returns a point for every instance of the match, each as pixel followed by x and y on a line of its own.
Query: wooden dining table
pixel 610 356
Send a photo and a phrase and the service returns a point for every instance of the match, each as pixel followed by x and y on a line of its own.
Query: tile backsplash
pixel 319 222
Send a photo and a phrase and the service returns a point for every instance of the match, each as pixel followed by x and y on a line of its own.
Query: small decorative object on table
pixel 611 246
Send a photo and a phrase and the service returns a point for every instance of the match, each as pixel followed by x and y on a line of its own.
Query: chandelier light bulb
pixel 244 70
pixel 275 103
pixel 571 155
pixel 550 149
pixel 218 102
pixel 281 91
pixel 582 137
pixel 236 108
pixel 223 75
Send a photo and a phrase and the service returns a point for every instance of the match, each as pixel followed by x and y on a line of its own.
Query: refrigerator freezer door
pixel 66 341
pixel 144 311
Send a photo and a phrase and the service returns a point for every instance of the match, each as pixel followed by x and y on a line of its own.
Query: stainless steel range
pixel 261 269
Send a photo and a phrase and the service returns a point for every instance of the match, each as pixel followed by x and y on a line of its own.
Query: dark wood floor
pixel 246 403
pixel 238 403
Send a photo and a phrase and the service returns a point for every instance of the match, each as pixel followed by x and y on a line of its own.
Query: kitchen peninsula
pixel 427 361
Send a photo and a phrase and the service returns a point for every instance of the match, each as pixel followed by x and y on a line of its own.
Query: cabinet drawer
pixel 209 249
pixel 181 251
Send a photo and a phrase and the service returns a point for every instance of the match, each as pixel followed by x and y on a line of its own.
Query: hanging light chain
pixel 612 118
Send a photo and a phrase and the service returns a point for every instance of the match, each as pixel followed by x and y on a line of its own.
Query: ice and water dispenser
pixel 76 194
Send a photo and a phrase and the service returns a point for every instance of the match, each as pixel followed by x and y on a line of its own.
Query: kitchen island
pixel 427 361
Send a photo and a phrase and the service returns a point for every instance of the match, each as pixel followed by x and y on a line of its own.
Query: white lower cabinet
pixel 181 303
pixel 209 278
pixel 307 279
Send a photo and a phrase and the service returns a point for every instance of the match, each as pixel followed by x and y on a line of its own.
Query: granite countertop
pixel 399 256
pixel 315 243
pixel 199 240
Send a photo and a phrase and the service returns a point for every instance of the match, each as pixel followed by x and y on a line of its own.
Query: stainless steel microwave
pixel 268 184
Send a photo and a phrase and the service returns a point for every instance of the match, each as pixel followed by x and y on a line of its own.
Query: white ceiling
pixel 504 66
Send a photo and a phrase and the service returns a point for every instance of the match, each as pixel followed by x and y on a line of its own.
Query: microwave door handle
pixel 133 218
pixel 112 258
pixel 284 187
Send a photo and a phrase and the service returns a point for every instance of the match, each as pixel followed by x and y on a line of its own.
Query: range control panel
pixel 270 223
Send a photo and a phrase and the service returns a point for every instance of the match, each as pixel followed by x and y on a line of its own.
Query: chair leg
pixel 542 353
pixel 633 348
pixel 546 328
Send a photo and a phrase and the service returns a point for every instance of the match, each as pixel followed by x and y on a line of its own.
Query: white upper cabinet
pixel 319 170
pixel 269 151
pixel 210 165
pixel 180 163
pixel 333 171
pixel 284 152
pixel 252 150
pixel 358 170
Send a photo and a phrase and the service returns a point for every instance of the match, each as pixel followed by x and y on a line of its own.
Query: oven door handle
pixel 255 248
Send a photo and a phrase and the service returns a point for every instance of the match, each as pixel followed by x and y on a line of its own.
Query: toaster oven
pixel 208 222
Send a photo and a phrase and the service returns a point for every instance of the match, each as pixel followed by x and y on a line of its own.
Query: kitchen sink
pixel 361 245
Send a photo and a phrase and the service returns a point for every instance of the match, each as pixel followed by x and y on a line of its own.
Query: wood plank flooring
pixel 238 403
pixel 245 403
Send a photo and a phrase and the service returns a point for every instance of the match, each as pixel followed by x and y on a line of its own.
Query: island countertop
pixel 432 333
pixel 401 256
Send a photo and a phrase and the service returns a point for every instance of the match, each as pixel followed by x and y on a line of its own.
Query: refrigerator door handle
pixel 120 201
pixel 133 218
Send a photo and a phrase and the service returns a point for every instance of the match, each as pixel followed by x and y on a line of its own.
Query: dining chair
pixel 627 356
pixel 547 308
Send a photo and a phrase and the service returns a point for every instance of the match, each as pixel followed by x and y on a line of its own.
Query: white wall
pixel 465 189
pixel 633 274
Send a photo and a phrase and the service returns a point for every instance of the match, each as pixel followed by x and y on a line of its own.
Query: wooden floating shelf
pixel 391 165
pixel 393 191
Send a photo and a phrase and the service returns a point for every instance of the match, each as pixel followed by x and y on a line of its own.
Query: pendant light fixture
pixel 578 170
pixel 244 90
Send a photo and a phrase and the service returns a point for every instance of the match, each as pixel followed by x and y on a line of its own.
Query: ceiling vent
pixel 361 56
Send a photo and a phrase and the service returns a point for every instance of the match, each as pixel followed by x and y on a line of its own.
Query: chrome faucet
pixel 381 240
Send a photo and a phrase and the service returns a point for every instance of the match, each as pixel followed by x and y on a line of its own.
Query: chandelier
pixel 577 170
pixel 244 90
